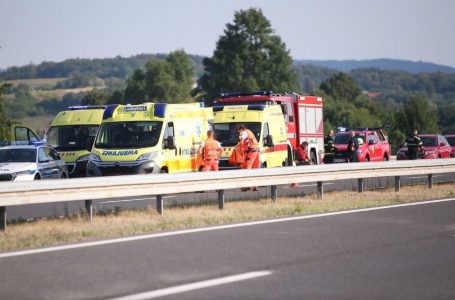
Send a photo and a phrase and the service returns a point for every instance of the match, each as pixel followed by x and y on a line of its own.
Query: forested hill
pixel 122 67
pixel 383 64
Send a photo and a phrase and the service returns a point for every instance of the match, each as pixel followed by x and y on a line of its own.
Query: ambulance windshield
pixel 123 135
pixel 70 138
pixel 227 135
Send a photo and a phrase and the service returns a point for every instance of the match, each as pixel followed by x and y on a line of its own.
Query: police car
pixel 30 162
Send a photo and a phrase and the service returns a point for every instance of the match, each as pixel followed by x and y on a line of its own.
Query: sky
pixel 34 31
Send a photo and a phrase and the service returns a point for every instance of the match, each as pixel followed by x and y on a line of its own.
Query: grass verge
pixel 132 222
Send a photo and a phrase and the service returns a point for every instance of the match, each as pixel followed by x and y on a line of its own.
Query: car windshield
pixel 429 141
pixel 70 138
pixel 122 135
pixel 227 135
pixel 451 140
pixel 343 138
pixel 17 155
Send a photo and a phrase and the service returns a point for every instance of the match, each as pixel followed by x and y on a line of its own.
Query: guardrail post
pixel 3 218
pixel 89 209
pixel 220 199
pixel 159 204
pixel 320 190
pixel 360 185
pixel 274 192
pixel 430 181
pixel 397 183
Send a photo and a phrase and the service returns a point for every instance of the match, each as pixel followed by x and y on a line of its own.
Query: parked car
pixel 373 145
pixel 434 146
pixel 451 140
pixel 30 162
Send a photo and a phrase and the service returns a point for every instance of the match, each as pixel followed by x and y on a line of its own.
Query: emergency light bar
pixel 80 107
pixel 22 143
pixel 244 94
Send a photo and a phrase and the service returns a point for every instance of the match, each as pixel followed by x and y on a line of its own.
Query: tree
pixel 416 114
pixel 5 123
pixel 168 80
pixel 248 57
pixel 345 106
pixel 95 97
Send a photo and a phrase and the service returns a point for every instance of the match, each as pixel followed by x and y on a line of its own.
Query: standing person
pixel 250 146
pixel 353 147
pixel 302 157
pixel 211 152
pixel 414 143
pixel 329 149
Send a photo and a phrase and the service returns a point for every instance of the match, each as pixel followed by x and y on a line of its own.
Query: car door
pixel 444 147
pixel 58 164
pixel 47 165
pixel 170 148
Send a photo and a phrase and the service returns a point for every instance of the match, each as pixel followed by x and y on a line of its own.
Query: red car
pixel 434 146
pixel 373 145
pixel 451 140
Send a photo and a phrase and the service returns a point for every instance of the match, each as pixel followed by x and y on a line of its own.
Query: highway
pixel 398 252
pixel 53 210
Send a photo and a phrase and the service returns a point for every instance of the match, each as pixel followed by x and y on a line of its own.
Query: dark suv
pixel 373 145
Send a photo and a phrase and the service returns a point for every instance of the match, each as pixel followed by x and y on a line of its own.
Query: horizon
pixel 38 31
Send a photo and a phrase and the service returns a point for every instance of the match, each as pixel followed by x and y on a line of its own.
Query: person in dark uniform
pixel 329 149
pixel 414 143
pixel 353 147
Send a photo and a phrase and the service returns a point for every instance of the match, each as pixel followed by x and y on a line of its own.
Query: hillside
pixel 383 64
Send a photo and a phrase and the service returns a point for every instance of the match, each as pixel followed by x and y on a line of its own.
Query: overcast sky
pixel 32 31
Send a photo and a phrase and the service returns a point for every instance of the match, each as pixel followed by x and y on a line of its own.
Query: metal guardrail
pixel 95 188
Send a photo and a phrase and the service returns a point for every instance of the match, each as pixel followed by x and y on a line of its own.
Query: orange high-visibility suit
pixel 211 152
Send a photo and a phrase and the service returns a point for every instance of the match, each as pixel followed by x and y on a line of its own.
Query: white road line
pixel 133 200
pixel 204 229
pixel 194 286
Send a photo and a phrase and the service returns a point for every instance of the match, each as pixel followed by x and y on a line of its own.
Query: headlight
pixel 149 155
pixel 21 173
pixel 85 157
pixel 94 157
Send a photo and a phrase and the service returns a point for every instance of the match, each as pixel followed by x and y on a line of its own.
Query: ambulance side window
pixel 265 132
pixel 169 132
pixel 169 136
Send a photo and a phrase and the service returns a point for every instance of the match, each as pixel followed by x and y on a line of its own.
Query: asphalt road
pixel 402 252
pixel 64 209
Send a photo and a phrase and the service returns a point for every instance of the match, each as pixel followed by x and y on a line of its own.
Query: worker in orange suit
pixel 249 145
pixel 211 152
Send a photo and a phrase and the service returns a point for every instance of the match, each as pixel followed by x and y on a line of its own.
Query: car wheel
pixel 63 176
pixel 37 177
pixel 367 159
pixel 386 158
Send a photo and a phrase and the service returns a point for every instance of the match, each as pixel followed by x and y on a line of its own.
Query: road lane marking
pixel 194 286
pixel 204 229
pixel 132 200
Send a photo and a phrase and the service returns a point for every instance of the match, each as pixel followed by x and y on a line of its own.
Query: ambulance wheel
pixel 164 170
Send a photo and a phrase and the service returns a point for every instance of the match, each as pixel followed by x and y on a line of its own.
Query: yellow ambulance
pixel 267 123
pixel 69 133
pixel 149 138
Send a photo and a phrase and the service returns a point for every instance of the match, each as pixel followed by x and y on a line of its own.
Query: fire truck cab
pixel 303 118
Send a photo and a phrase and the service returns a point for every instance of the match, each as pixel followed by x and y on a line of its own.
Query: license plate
pixel 339 160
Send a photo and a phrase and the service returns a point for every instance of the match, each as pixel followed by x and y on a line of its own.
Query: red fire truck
pixel 303 117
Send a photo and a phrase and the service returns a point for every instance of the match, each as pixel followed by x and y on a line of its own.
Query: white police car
pixel 30 162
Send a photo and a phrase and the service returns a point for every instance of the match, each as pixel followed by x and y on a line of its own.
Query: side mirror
pixel 268 141
pixel 169 143
pixel 89 143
